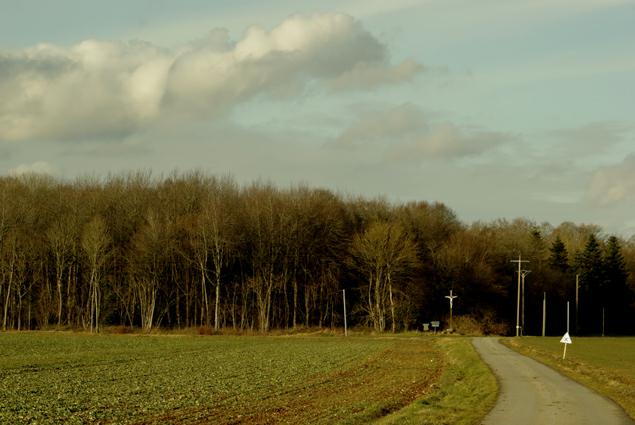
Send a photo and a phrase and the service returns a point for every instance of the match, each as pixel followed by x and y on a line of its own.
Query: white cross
pixel 451 298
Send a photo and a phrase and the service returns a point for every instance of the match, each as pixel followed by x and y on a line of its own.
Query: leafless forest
pixel 192 250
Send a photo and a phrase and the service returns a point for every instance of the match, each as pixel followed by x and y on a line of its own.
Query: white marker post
pixel 566 340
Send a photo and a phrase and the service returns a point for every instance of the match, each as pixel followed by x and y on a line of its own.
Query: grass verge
pixel 605 364
pixel 466 392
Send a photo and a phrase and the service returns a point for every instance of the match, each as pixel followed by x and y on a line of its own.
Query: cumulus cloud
pixel 613 184
pixel 100 90
pixel 39 167
pixel 411 136
pixel 92 90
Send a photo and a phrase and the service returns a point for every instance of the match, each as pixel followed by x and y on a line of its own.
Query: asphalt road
pixel 532 393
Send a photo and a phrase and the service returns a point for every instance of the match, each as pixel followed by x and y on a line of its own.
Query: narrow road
pixel 532 393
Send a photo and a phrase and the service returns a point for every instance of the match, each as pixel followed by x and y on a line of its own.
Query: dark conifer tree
pixel 615 293
pixel 559 257
pixel 591 270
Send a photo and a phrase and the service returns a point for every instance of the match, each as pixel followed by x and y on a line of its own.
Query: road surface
pixel 532 393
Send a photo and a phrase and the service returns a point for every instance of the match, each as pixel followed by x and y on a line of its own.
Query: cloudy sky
pixel 497 108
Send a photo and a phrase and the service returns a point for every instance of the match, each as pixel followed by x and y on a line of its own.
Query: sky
pixel 496 108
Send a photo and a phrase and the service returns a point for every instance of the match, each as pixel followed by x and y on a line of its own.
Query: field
pixel 77 378
pixel 604 364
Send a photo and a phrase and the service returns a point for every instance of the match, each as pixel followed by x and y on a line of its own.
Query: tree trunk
pixel 295 302
pixel 205 303
pixel 6 300
pixel 217 305
pixel 8 294
pixel 392 308
pixel 59 297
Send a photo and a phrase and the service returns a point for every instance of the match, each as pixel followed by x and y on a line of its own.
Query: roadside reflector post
pixel 566 340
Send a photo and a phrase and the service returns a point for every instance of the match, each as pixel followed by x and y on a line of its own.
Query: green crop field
pixel 604 364
pixel 77 378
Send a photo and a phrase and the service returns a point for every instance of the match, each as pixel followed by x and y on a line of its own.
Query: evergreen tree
pixel 559 257
pixel 559 276
pixel 614 264
pixel 591 270
pixel 615 293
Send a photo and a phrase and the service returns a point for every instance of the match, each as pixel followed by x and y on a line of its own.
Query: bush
pixel 208 330
pixel 479 325
pixel 467 325
pixel 118 330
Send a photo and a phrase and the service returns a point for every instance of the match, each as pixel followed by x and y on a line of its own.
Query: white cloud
pixel 613 184
pixel 87 91
pixel 39 167
pixel 99 90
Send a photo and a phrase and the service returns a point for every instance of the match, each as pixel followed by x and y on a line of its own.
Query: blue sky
pixel 499 109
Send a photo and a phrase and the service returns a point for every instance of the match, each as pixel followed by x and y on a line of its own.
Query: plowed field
pixel 57 377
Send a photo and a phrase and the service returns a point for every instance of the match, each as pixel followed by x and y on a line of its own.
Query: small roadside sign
pixel 435 325
pixel 566 340
pixel 426 326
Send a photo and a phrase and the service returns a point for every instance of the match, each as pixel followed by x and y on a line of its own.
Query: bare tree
pixel 8 272
pixel 266 248
pixel 145 269
pixel 219 220
pixel 95 242
pixel 60 238
pixel 383 252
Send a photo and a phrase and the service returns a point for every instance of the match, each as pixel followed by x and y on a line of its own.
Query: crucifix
pixel 451 298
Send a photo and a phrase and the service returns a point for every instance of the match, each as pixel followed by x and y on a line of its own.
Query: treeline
pixel 192 250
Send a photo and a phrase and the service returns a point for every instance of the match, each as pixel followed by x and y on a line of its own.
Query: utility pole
pixel 523 274
pixel 544 313
pixel 577 300
pixel 519 261
pixel 451 298
pixel 344 298
pixel 602 321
